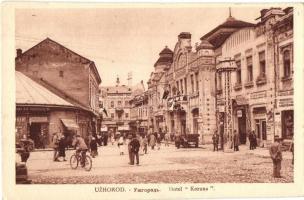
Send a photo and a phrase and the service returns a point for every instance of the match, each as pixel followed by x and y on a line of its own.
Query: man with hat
pixel 134 145
pixel 81 146
pixel 276 156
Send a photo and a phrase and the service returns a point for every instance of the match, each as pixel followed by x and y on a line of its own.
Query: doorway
pixel 39 134
pixel 260 129
pixel 242 126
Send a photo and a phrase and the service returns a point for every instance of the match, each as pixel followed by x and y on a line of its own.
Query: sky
pixel 121 40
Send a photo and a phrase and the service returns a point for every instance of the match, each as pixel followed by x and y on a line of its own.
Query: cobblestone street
pixel 168 165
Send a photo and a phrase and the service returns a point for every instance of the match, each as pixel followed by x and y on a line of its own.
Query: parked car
pixel 188 140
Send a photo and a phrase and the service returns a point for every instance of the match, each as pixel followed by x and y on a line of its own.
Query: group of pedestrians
pixel 59 145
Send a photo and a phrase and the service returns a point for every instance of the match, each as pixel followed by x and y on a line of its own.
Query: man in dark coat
pixel 93 147
pixel 250 137
pixel 236 140
pixel 215 139
pixel 55 143
pixel 254 140
pixel 61 147
pixel 276 156
pixel 134 145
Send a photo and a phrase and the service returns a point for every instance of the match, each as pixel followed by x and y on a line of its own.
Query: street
pixel 167 165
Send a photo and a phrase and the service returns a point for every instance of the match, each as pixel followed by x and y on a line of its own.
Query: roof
pixel 30 92
pixel 217 37
pixel 204 45
pixel 116 89
pixel 165 57
pixel 92 64
pixel 166 50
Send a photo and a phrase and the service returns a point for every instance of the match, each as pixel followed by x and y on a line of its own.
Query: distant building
pixel 139 110
pixel 68 75
pixel 115 100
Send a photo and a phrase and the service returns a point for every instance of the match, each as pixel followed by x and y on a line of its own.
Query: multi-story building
pixel 139 111
pixel 187 91
pixel 115 100
pixel 67 75
pixel 183 89
pixel 257 81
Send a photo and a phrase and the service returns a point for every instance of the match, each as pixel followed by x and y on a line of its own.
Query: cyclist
pixel 81 147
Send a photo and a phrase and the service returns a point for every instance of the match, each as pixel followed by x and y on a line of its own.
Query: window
pixel 60 73
pixel 286 61
pixel 112 115
pixel 177 86
pixel 119 103
pixel 112 104
pixel 181 86
pixel 192 83
pixel 249 69
pixel 219 82
pixel 262 63
pixel 185 81
pixel 238 72
pixel 126 115
pixel 126 103
pixel 196 79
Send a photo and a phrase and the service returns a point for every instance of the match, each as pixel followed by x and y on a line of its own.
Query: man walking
pixel 236 141
pixel 276 156
pixel 134 145
pixel 215 139
pixel 55 143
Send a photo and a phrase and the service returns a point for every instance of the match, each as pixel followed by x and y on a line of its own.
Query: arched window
pixel 286 61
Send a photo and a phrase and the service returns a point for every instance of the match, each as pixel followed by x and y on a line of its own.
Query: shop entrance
pixel 242 125
pixel 287 124
pixel 260 129
pixel 39 134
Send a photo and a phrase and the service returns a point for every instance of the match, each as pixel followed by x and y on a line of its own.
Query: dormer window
pixel 61 74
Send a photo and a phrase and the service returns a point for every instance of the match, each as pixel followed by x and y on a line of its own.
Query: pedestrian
pixel 177 139
pixel 145 144
pixel 105 138
pixel 276 156
pixel 93 147
pixel 61 147
pixel 250 137
pixel 134 145
pixel 167 138
pixel 128 141
pixel 158 141
pixel 152 141
pixel 215 139
pixel 236 141
pixel 254 140
pixel 120 145
pixel 113 138
pixel 55 144
pixel 99 139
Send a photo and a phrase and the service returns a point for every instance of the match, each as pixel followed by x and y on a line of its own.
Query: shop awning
pixel 70 124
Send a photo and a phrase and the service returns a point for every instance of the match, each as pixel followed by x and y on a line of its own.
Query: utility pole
pixel 226 66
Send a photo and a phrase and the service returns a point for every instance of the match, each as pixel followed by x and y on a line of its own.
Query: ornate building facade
pixel 187 92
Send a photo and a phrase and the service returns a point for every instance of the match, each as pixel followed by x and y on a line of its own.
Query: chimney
pixel 19 52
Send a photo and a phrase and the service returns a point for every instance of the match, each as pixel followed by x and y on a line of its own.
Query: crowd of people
pixel 137 144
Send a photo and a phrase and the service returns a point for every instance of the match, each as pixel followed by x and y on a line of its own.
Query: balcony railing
pixel 238 86
pixel 261 79
pixel 249 84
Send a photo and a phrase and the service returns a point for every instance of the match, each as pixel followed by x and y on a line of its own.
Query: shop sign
pixel 241 100
pixel 286 93
pixel 285 102
pixel 258 95
pixel 239 113
pixel 20 119
pixel 38 119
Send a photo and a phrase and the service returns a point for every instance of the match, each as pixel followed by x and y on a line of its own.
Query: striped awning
pixel 70 124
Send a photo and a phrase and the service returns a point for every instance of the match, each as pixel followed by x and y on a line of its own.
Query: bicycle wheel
pixel 88 163
pixel 74 161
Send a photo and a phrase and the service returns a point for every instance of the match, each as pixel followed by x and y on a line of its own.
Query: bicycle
pixel 76 158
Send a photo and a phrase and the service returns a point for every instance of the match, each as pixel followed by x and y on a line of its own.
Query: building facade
pixel 182 89
pixel 189 90
pixel 69 76
pixel 116 102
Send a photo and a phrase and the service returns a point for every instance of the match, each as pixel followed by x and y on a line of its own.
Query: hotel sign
pixel 286 102
pixel 258 95
pixel 286 93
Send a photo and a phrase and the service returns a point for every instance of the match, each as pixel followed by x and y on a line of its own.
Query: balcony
pixel 237 86
pixel 261 79
pixel 286 78
pixel 249 84
pixel 219 91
